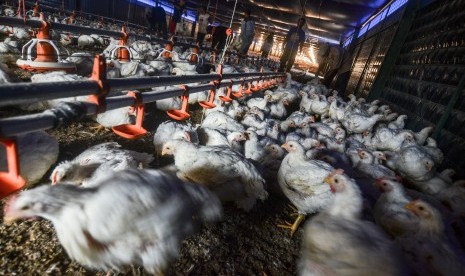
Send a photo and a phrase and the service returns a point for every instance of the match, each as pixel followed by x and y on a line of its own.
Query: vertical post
pixel 394 50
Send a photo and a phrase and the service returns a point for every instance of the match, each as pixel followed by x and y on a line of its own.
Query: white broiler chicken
pixel 115 117
pixel 37 152
pixel 132 217
pixel 88 167
pixel 392 139
pixel 278 110
pixel 302 181
pixel 398 123
pixel 389 210
pixel 338 242
pixel 221 120
pixel 224 171
pixel 171 130
pixel 370 168
pixel 358 123
pixel 428 250
pixel 215 137
pixel 416 165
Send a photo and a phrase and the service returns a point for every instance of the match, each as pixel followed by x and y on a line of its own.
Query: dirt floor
pixel 242 244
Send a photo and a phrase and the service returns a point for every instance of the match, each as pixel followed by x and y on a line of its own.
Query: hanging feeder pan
pixel 209 104
pixel 135 131
pixel 181 114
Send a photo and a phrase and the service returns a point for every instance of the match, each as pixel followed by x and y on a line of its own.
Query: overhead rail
pixel 45 7
pixel 51 118
pixel 22 93
pixel 34 23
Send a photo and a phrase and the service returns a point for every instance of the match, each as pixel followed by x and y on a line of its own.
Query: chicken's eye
pixel 336 180
pixel 421 208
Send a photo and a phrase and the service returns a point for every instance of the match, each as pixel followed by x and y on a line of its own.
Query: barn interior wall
pixel 427 81
pixel 368 54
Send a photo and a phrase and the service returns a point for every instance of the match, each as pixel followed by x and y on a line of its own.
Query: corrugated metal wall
pixel 427 74
pixel 369 52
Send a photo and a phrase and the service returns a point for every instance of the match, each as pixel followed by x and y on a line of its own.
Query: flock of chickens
pixel 346 161
pixel 381 206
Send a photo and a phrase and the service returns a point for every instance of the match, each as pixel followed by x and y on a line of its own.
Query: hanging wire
pixel 230 37
pixel 216 9
pixel 129 13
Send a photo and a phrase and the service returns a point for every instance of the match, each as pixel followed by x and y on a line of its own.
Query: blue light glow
pixel 348 41
pixel 168 9
pixel 394 6
pixel 363 30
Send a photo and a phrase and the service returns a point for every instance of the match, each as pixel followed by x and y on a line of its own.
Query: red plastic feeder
pixel 209 104
pixel 256 87
pixel 248 91
pixel 122 52
pixel 47 53
pixel 11 181
pixel 135 131
pixel 227 98
pixel 181 114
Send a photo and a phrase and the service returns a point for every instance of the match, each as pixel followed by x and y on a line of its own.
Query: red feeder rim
pixel 181 114
pixel 209 104
pixel 135 131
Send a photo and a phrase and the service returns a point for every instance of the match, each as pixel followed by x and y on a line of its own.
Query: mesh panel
pixel 426 75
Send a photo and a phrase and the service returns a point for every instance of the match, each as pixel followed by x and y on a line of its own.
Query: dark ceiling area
pixel 327 19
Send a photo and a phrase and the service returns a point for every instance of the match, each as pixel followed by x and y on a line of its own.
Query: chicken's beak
pixel 429 167
pixel 329 181
pixel 284 146
pixel 246 136
pixel 410 206
pixel 383 157
pixel 163 152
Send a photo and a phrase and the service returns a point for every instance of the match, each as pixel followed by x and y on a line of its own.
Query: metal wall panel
pixel 427 74
pixel 369 54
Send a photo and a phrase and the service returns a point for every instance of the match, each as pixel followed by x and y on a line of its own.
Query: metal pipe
pixel 41 121
pixel 24 124
pixel 85 30
pixel 19 22
pixel 245 75
pixel 140 83
pixel 21 93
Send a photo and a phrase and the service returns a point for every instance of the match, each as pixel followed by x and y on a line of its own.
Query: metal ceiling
pixel 332 20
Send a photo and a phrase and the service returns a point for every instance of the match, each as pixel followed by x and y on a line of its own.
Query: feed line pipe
pixel 67 112
pixel 34 23
pixel 23 93
pixel 45 7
